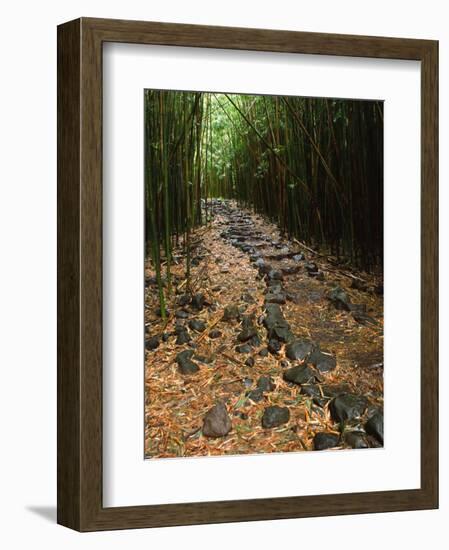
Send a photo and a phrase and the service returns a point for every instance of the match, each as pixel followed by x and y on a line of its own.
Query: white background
pixel 129 480
pixel 28 272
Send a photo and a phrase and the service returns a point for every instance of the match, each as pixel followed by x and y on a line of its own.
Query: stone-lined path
pixel 271 350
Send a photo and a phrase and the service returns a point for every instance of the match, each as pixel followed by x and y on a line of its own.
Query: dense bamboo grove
pixel 314 165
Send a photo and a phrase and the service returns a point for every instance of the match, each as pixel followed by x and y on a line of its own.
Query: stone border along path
pixel 355 421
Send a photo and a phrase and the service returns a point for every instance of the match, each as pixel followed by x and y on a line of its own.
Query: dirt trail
pixel 242 270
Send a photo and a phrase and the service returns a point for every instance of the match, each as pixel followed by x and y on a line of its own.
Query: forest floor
pixel 287 343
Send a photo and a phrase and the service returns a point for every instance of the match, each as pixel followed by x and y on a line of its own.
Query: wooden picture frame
pixel 80 504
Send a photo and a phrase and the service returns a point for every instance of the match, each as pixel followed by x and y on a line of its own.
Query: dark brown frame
pixel 80 274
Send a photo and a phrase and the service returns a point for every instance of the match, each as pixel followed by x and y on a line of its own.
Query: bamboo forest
pixel 263 274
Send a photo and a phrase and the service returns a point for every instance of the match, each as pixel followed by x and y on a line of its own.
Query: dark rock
pixel 198 301
pixel 301 374
pixel 313 273
pixel 259 263
pixel 322 360
pixel 248 321
pixel 375 427
pixel 379 290
pixel 356 440
pixel 273 315
pixel 247 334
pixel 248 298
pixel 185 363
pixel 150 281
pixel 347 407
pixel 275 298
pixel 275 274
pixel 334 390
pixel 275 416
pixel 273 285
pixel 265 269
pixel 165 336
pixel 357 308
pixel 248 382
pixel 183 337
pixel 298 257
pixel 231 312
pixel 183 300
pixel 315 296
pixel 373 442
pixel 152 343
pixel 298 350
pixel 274 289
pixel 363 318
pixel 250 362
pixel 255 395
pixel 181 314
pixel 263 352
pixel 325 440
pixel 372 409
pixel 217 423
pixel 255 341
pixel 359 285
pixel 311 267
pixel 283 334
pixel 290 270
pixel 313 392
pixel 265 383
pixel 215 333
pixel 339 298
pixel 243 348
pixel 379 365
pixel 274 346
pixel 153 281
pixel 197 325
pixel 203 359
pixel 276 324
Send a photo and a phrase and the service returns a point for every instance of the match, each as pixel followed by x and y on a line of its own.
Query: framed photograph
pixel 247 274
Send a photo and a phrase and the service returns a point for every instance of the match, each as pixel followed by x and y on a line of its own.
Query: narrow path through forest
pixel 272 348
